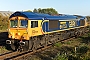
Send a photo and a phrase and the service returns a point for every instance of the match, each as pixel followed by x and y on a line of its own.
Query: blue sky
pixel 81 7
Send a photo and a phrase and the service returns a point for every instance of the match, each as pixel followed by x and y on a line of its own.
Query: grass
pixel 60 57
pixel 3 49
pixel 76 49
pixel 58 44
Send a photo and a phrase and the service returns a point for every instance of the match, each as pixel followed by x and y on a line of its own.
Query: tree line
pixel 46 11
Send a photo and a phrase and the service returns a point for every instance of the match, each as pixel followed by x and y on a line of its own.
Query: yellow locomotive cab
pixel 18 28
pixel 18 34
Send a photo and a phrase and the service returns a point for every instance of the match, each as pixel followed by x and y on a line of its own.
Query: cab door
pixel 35 28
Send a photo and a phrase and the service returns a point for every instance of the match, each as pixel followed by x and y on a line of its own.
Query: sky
pixel 80 7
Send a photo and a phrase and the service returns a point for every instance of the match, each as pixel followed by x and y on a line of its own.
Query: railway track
pixel 23 55
pixel 7 55
pixel 17 55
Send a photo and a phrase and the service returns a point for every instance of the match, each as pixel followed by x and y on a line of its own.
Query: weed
pixel 3 49
pixel 68 42
pixel 58 44
pixel 60 57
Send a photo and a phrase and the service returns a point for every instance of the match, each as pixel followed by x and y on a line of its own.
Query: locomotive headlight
pixel 8 29
pixel 18 33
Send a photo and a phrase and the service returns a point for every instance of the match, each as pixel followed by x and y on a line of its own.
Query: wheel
pixel 35 43
pixel 44 41
pixel 14 45
pixel 25 47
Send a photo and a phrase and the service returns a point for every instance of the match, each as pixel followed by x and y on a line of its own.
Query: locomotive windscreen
pixel 53 24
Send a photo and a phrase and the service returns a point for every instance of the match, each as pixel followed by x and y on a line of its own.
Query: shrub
pixel 60 57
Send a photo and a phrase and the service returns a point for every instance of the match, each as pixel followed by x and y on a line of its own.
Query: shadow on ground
pixel 85 40
pixel 3 38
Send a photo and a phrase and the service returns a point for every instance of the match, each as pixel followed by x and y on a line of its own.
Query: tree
pixel 39 10
pixel 88 18
pixel 35 10
pixel 50 11
pixel 28 11
pixel 47 11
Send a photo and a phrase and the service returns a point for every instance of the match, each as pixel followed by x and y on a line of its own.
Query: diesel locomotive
pixel 31 31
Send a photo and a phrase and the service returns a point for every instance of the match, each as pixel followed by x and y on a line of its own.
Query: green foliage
pixel 35 10
pixel 50 11
pixel 58 44
pixel 60 57
pixel 3 50
pixel 88 34
pixel 68 42
pixel 88 18
pixel 39 10
pixel 28 11
pixel 3 22
pixel 80 51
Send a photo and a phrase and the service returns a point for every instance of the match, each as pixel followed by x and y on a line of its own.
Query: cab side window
pixel 34 24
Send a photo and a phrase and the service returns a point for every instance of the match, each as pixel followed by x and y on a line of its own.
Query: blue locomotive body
pixel 30 30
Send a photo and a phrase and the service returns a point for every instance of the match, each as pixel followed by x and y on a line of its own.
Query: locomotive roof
pixel 39 16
